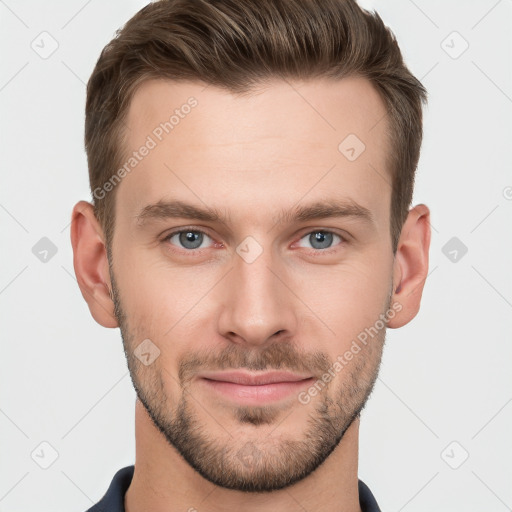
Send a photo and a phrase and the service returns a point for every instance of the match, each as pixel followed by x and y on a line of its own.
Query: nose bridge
pixel 257 304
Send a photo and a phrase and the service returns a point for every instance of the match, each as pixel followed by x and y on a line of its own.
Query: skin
pixel 294 307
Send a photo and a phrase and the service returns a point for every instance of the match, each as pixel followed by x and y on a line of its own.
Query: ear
pixel 410 268
pixel 91 263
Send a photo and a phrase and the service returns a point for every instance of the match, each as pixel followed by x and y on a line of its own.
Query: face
pixel 295 274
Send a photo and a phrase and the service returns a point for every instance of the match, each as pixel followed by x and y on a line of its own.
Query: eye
pixel 321 239
pixel 192 239
pixel 189 239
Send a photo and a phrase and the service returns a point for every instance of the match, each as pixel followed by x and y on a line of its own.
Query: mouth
pixel 255 388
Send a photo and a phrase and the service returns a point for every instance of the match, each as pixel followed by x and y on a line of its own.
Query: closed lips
pixel 254 379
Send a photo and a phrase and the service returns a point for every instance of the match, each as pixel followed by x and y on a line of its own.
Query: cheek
pixel 348 297
pixel 153 290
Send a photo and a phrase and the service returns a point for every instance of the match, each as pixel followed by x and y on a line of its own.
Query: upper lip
pixel 254 379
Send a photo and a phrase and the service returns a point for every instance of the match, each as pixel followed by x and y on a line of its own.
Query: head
pixel 252 167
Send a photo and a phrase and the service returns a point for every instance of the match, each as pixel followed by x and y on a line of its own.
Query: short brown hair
pixel 237 44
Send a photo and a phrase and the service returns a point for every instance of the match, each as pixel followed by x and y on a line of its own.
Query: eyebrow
pixel 163 210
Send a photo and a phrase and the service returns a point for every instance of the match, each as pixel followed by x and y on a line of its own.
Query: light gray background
pixel 446 377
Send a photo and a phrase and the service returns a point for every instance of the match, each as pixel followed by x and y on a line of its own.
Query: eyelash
pixel 316 252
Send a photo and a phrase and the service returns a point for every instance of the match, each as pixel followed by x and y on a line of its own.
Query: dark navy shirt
pixel 113 501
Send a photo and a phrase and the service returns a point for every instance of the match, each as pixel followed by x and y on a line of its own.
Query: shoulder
pixel 113 500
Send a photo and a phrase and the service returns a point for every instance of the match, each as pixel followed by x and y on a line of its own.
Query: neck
pixel 164 482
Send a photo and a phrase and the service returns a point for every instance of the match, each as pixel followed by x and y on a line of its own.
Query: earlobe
pixel 91 264
pixel 411 265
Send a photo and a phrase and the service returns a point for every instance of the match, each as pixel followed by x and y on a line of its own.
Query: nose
pixel 258 303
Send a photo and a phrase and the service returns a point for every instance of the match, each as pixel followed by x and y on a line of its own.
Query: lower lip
pixel 256 394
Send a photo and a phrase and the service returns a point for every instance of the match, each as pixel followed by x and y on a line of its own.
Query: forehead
pixel 274 145
pixel 325 105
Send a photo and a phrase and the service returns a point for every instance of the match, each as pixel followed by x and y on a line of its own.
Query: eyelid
pixel 342 234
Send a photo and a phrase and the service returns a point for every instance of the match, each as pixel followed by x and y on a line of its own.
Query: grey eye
pixel 188 239
pixel 321 239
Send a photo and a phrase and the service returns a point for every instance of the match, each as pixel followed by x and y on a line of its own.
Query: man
pixel 252 167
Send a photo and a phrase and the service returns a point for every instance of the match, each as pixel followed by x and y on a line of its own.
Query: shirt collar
pixel 113 500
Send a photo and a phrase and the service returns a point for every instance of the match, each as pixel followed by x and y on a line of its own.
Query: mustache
pixel 281 356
